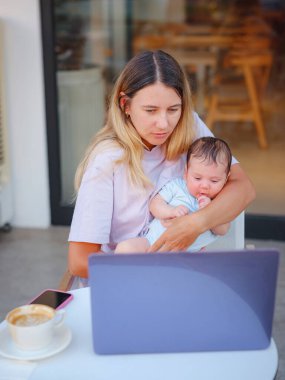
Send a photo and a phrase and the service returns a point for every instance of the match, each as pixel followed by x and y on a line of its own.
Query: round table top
pixel 79 359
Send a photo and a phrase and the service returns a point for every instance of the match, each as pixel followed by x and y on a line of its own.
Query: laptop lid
pixel 181 302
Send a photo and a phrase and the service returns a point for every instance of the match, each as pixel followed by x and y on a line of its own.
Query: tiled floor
pixel 32 260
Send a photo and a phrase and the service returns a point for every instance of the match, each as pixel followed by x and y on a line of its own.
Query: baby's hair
pixel 212 150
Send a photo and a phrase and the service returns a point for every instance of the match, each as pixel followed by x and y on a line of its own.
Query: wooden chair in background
pixel 253 70
pixel 243 74
pixel 66 282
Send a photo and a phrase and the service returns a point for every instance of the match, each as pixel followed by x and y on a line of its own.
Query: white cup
pixel 32 327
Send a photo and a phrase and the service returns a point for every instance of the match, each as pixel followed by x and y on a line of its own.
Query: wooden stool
pixel 254 68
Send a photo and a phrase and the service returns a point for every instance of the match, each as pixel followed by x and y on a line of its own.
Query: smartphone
pixel 54 298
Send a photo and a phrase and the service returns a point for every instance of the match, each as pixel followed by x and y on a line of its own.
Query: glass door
pixel 85 46
pixel 87 42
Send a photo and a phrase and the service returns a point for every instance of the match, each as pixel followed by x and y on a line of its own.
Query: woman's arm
pixel 228 204
pixel 93 211
pixel 78 254
pixel 221 230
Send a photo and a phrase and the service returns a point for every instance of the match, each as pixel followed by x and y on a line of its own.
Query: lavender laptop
pixel 181 302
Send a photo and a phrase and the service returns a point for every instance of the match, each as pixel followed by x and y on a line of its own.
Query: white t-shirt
pixel 108 208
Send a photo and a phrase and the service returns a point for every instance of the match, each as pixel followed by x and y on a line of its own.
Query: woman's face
pixel 154 112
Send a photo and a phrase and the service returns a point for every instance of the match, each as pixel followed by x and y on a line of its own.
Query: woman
pixel 150 125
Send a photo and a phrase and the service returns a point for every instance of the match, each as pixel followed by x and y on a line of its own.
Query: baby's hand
pixel 179 211
pixel 175 213
pixel 203 200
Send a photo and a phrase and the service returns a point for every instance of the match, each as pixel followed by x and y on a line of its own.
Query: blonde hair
pixel 142 70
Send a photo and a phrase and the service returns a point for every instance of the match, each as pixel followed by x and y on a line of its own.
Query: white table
pixel 79 361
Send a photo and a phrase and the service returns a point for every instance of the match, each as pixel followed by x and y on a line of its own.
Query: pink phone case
pixel 63 304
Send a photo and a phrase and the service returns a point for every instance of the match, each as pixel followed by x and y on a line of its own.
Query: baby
pixel 207 170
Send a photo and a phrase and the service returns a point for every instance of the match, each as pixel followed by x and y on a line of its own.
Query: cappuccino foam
pixel 31 319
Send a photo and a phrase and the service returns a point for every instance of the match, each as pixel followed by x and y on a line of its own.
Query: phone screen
pixel 53 298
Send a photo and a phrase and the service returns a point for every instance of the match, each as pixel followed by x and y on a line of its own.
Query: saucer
pixel 8 349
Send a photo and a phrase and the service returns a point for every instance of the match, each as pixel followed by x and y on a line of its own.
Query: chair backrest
pixel 66 281
pixel 234 239
pixel 257 65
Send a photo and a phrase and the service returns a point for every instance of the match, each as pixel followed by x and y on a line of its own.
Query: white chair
pixel 234 239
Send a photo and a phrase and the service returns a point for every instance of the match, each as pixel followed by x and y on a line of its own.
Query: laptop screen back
pixel 181 302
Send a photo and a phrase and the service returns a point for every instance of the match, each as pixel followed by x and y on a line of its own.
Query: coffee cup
pixel 32 327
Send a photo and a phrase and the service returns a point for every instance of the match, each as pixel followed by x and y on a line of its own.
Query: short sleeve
pixel 167 192
pixel 93 211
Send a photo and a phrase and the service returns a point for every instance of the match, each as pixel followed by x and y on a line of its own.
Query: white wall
pixel 23 71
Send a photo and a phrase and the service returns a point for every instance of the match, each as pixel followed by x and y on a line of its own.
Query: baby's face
pixel 203 178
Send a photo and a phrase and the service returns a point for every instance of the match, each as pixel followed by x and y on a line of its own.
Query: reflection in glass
pixel 214 41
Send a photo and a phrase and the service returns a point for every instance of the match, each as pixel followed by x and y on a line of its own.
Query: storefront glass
pixel 233 52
